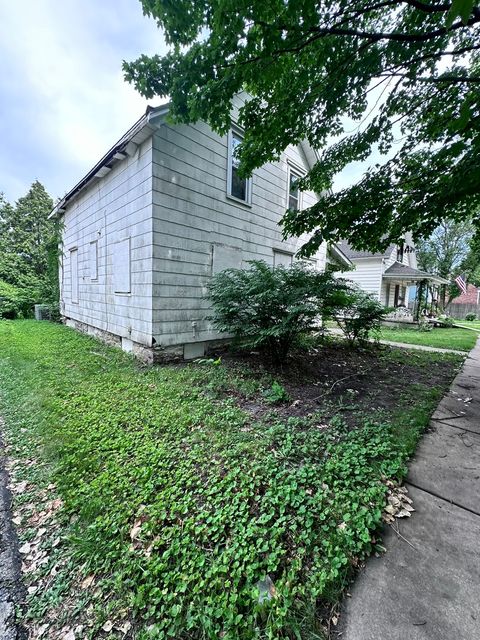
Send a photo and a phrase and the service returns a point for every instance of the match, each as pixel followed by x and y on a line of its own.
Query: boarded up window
pixel 282 258
pixel 121 266
pixel 74 274
pixel 225 257
pixel 93 260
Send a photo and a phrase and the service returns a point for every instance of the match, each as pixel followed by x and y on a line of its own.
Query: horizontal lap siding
pixel 192 213
pixel 116 207
pixel 368 275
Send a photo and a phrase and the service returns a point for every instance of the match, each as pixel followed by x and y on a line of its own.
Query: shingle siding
pixel 116 207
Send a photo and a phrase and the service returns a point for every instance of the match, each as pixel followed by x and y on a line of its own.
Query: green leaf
pixel 460 9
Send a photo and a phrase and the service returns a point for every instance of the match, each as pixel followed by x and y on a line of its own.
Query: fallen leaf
pixel 403 513
pixel 135 530
pixel 125 628
pixel 88 581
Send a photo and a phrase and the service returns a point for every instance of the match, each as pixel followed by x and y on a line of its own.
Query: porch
pixel 396 281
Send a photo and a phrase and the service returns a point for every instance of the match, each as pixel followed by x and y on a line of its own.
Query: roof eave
pixel 138 133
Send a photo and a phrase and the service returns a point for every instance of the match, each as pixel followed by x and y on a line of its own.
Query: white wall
pixel 368 274
pixel 195 221
pixel 112 209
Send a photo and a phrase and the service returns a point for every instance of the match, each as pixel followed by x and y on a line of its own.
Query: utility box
pixel 42 312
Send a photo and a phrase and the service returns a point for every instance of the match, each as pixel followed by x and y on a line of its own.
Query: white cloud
pixel 63 100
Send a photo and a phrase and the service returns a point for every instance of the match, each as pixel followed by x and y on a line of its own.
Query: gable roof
pixel 402 271
pixel 127 145
pixel 353 254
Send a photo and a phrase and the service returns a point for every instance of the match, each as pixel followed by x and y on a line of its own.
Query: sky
pixel 63 100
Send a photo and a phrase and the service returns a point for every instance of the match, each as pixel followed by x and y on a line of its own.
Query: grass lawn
pixel 460 339
pixel 475 324
pixel 221 499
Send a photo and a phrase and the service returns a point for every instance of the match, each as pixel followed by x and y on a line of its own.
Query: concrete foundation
pixel 149 355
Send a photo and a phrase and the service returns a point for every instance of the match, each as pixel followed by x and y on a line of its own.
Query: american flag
pixel 462 285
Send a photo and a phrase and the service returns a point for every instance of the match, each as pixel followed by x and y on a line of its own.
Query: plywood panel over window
pixel 121 266
pixel 225 257
pixel 282 258
pixel 93 260
pixel 74 274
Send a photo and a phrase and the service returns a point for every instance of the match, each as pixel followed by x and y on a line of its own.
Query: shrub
pixel 267 307
pixel 447 321
pixel 424 325
pixel 360 315
pixel 16 302
pixel 471 317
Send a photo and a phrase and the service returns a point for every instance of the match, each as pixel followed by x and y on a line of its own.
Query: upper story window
pixel 237 187
pixel 400 253
pixel 294 194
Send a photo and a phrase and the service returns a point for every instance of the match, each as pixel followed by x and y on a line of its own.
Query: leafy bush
pixel 267 307
pixel 360 315
pixel 16 302
pixel 424 325
pixel 447 321
pixel 471 317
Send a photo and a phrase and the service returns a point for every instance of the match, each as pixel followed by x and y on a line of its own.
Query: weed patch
pixel 178 513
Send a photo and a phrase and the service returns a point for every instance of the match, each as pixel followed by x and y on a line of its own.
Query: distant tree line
pixel 28 254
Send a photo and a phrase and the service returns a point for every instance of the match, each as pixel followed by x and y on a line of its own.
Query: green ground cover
pixel 179 502
pixel 460 339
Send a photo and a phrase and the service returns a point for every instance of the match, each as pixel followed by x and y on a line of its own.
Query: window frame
pixel 234 131
pixel 294 171
pixel 283 252
pixel 117 290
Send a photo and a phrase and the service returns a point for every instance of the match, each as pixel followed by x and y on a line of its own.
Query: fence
pixel 460 309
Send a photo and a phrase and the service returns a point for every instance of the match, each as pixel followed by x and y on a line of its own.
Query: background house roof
pixel 353 254
pixel 402 271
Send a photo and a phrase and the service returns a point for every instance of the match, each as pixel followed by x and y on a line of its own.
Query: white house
pixel 388 274
pixel 156 217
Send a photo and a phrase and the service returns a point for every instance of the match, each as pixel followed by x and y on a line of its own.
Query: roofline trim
pixel 113 155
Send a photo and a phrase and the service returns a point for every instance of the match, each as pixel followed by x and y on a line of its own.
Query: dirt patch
pixel 338 379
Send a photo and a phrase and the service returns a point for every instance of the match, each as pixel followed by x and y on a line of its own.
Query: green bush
pixel 447 321
pixel 267 307
pixel 360 315
pixel 471 317
pixel 16 302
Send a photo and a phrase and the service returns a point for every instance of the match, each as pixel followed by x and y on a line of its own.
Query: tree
pixel 28 247
pixel 445 250
pixel 470 266
pixel 308 67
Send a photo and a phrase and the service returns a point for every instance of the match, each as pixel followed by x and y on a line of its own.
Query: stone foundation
pixel 149 355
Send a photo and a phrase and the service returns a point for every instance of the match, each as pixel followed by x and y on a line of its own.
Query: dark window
pixel 239 187
pixel 400 254
pixel 293 191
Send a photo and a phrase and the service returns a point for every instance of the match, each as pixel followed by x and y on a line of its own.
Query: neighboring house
pixel 156 217
pixel 388 274
pixel 472 296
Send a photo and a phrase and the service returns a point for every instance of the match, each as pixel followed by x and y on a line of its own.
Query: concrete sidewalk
pixel 401 345
pixel 429 587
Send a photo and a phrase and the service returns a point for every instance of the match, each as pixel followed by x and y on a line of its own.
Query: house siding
pixel 193 215
pixel 368 274
pixel 114 208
